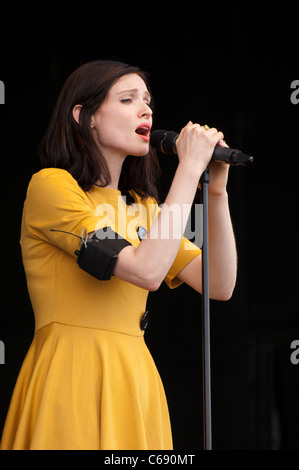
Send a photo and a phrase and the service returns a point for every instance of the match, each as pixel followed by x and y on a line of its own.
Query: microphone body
pixel 165 142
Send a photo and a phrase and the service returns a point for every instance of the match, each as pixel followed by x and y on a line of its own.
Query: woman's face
pixel 122 124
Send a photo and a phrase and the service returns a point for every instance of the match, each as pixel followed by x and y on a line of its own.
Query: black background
pixel 234 73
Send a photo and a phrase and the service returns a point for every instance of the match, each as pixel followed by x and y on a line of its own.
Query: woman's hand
pixel 195 146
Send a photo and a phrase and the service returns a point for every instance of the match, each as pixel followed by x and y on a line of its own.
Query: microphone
pixel 164 141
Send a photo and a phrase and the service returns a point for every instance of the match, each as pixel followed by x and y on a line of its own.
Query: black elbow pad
pixel 98 254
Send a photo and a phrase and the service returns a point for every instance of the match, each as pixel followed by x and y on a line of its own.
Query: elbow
pixel 223 288
pixel 150 276
pixel 151 279
pixel 152 283
pixel 223 296
pixel 136 271
pixel 153 287
pixel 223 293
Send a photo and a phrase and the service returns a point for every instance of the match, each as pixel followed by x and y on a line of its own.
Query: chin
pixel 140 155
pixel 140 152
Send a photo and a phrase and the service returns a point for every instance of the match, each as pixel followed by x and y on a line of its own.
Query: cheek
pixel 114 127
pixel 112 133
pixel 101 128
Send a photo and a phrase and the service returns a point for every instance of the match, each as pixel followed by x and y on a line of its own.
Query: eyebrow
pixel 134 90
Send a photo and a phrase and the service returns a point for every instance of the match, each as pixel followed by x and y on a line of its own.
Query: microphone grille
pixel 168 143
pixel 164 141
pixel 156 139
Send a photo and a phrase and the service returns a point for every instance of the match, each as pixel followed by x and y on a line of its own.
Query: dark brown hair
pixel 71 146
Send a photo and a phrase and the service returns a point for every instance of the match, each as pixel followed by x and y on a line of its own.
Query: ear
pixel 92 123
pixel 76 113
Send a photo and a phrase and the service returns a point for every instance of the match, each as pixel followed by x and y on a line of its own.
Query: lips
pixel 143 131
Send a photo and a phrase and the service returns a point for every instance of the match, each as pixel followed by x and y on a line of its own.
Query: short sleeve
pixel 187 252
pixel 55 201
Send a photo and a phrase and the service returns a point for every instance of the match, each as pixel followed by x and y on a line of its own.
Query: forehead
pixel 129 82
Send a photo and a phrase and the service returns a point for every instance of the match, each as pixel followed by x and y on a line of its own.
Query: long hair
pixel 71 146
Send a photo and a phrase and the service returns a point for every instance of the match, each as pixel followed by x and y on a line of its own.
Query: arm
pixel 222 249
pixel 148 264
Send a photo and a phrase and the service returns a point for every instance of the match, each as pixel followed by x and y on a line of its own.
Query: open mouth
pixel 143 131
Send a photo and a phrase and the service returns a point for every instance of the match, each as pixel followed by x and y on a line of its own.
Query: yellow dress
pixel 88 380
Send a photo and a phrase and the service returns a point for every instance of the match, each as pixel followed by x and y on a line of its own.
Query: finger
pixel 222 143
pixel 213 132
pixel 196 125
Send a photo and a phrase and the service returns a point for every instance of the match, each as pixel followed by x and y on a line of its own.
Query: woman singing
pixel 88 380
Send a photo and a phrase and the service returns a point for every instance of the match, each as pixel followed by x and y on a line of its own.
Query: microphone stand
pixel 165 142
pixel 206 361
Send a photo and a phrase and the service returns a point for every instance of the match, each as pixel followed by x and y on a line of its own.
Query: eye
pixel 126 100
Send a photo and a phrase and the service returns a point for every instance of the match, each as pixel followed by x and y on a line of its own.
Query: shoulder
pixel 52 186
pixel 52 175
pixel 53 179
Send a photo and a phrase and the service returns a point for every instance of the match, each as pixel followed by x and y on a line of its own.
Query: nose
pixel 145 110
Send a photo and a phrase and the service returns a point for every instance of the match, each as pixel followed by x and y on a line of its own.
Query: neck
pixel 115 163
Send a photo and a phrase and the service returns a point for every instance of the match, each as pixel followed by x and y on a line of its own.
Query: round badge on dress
pixel 141 232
